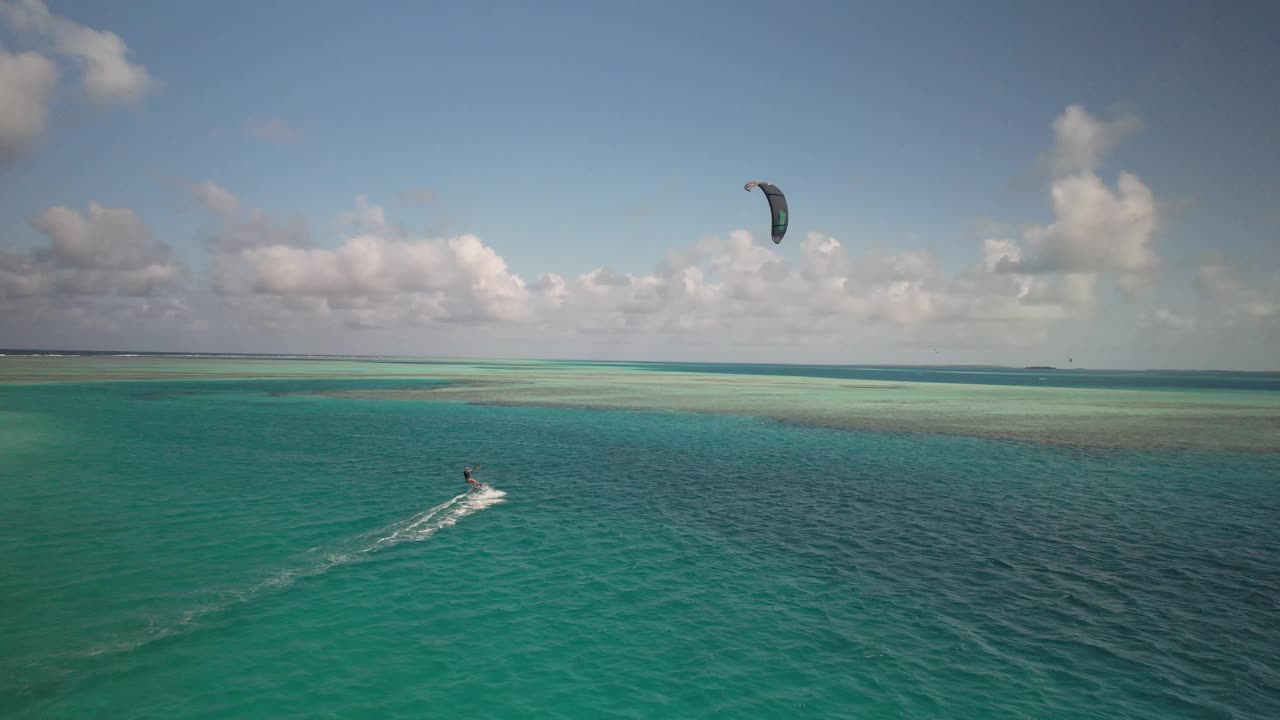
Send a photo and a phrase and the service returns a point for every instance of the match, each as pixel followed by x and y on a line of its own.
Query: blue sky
pixel 572 136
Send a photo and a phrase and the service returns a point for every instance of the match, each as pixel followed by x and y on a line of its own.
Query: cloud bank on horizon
pixel 1091 272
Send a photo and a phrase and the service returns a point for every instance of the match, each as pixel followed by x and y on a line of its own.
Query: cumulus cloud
pixel 816 295
pixel 215 198
pixel 731 289
pixel 1236 299
pixel 239 227
pixel 369 218
pixel 737 290
pixel 458 279
pixel 1136 286
pixel 28 79
pixel 109 322
pixel 258 229
pixel 108 252
pixel 108 76
pixel 272 130
pixel 1164 319
pixel 109 239
pixel 1081 140
pixel 1237 324
pixel 1097 228
pixel 100 275
pixel 26 82
pixel 379 276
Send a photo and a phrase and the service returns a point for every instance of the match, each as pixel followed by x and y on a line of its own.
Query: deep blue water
pixel 1068 378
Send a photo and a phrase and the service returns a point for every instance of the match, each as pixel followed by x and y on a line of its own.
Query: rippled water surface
pixel 252 539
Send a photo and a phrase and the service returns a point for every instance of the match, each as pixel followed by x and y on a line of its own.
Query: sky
pixel 983 183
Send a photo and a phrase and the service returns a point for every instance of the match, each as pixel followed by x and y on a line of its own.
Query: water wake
pixel 357 549
pixel 447 513
pixel 414 529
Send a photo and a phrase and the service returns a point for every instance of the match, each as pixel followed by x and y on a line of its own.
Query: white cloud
pixel 28 79
pixel 108 76
pixel 109 252
pixel 1097 228
pixel 272 130
pixel 1236 299
pixel 368 218
pixel 239 227
pixel 1236 326
pixel 110 238
pixel 717 296
pixel 1081 140
pixel 26 82
pixel 21 277
pixel 716 290
pixel 158 322
pixel 1136 286
pixel 258 229
pixel 215 198
pixel 743 291
pixel 1164 319
pixel 379 277
pixel 100 276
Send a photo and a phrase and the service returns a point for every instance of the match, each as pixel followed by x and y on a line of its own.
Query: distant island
pixel 1039 367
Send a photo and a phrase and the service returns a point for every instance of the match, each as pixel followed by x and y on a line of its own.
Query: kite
pixel 777 206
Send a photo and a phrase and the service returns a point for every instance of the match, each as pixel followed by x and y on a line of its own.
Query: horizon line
pixel 178 353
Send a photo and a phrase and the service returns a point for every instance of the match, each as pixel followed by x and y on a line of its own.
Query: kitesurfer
pixel 466 474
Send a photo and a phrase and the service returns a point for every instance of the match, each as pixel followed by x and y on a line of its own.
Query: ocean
pixel 241 536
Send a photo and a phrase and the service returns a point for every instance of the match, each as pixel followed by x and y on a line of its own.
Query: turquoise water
pixel 303 546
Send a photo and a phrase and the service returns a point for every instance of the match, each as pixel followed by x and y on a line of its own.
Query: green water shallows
pixel 298 546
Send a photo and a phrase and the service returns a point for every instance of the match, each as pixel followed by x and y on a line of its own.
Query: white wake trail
pixel 416 528
pixel 449 512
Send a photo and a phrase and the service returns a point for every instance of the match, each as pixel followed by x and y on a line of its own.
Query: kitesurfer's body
pixel 466 474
